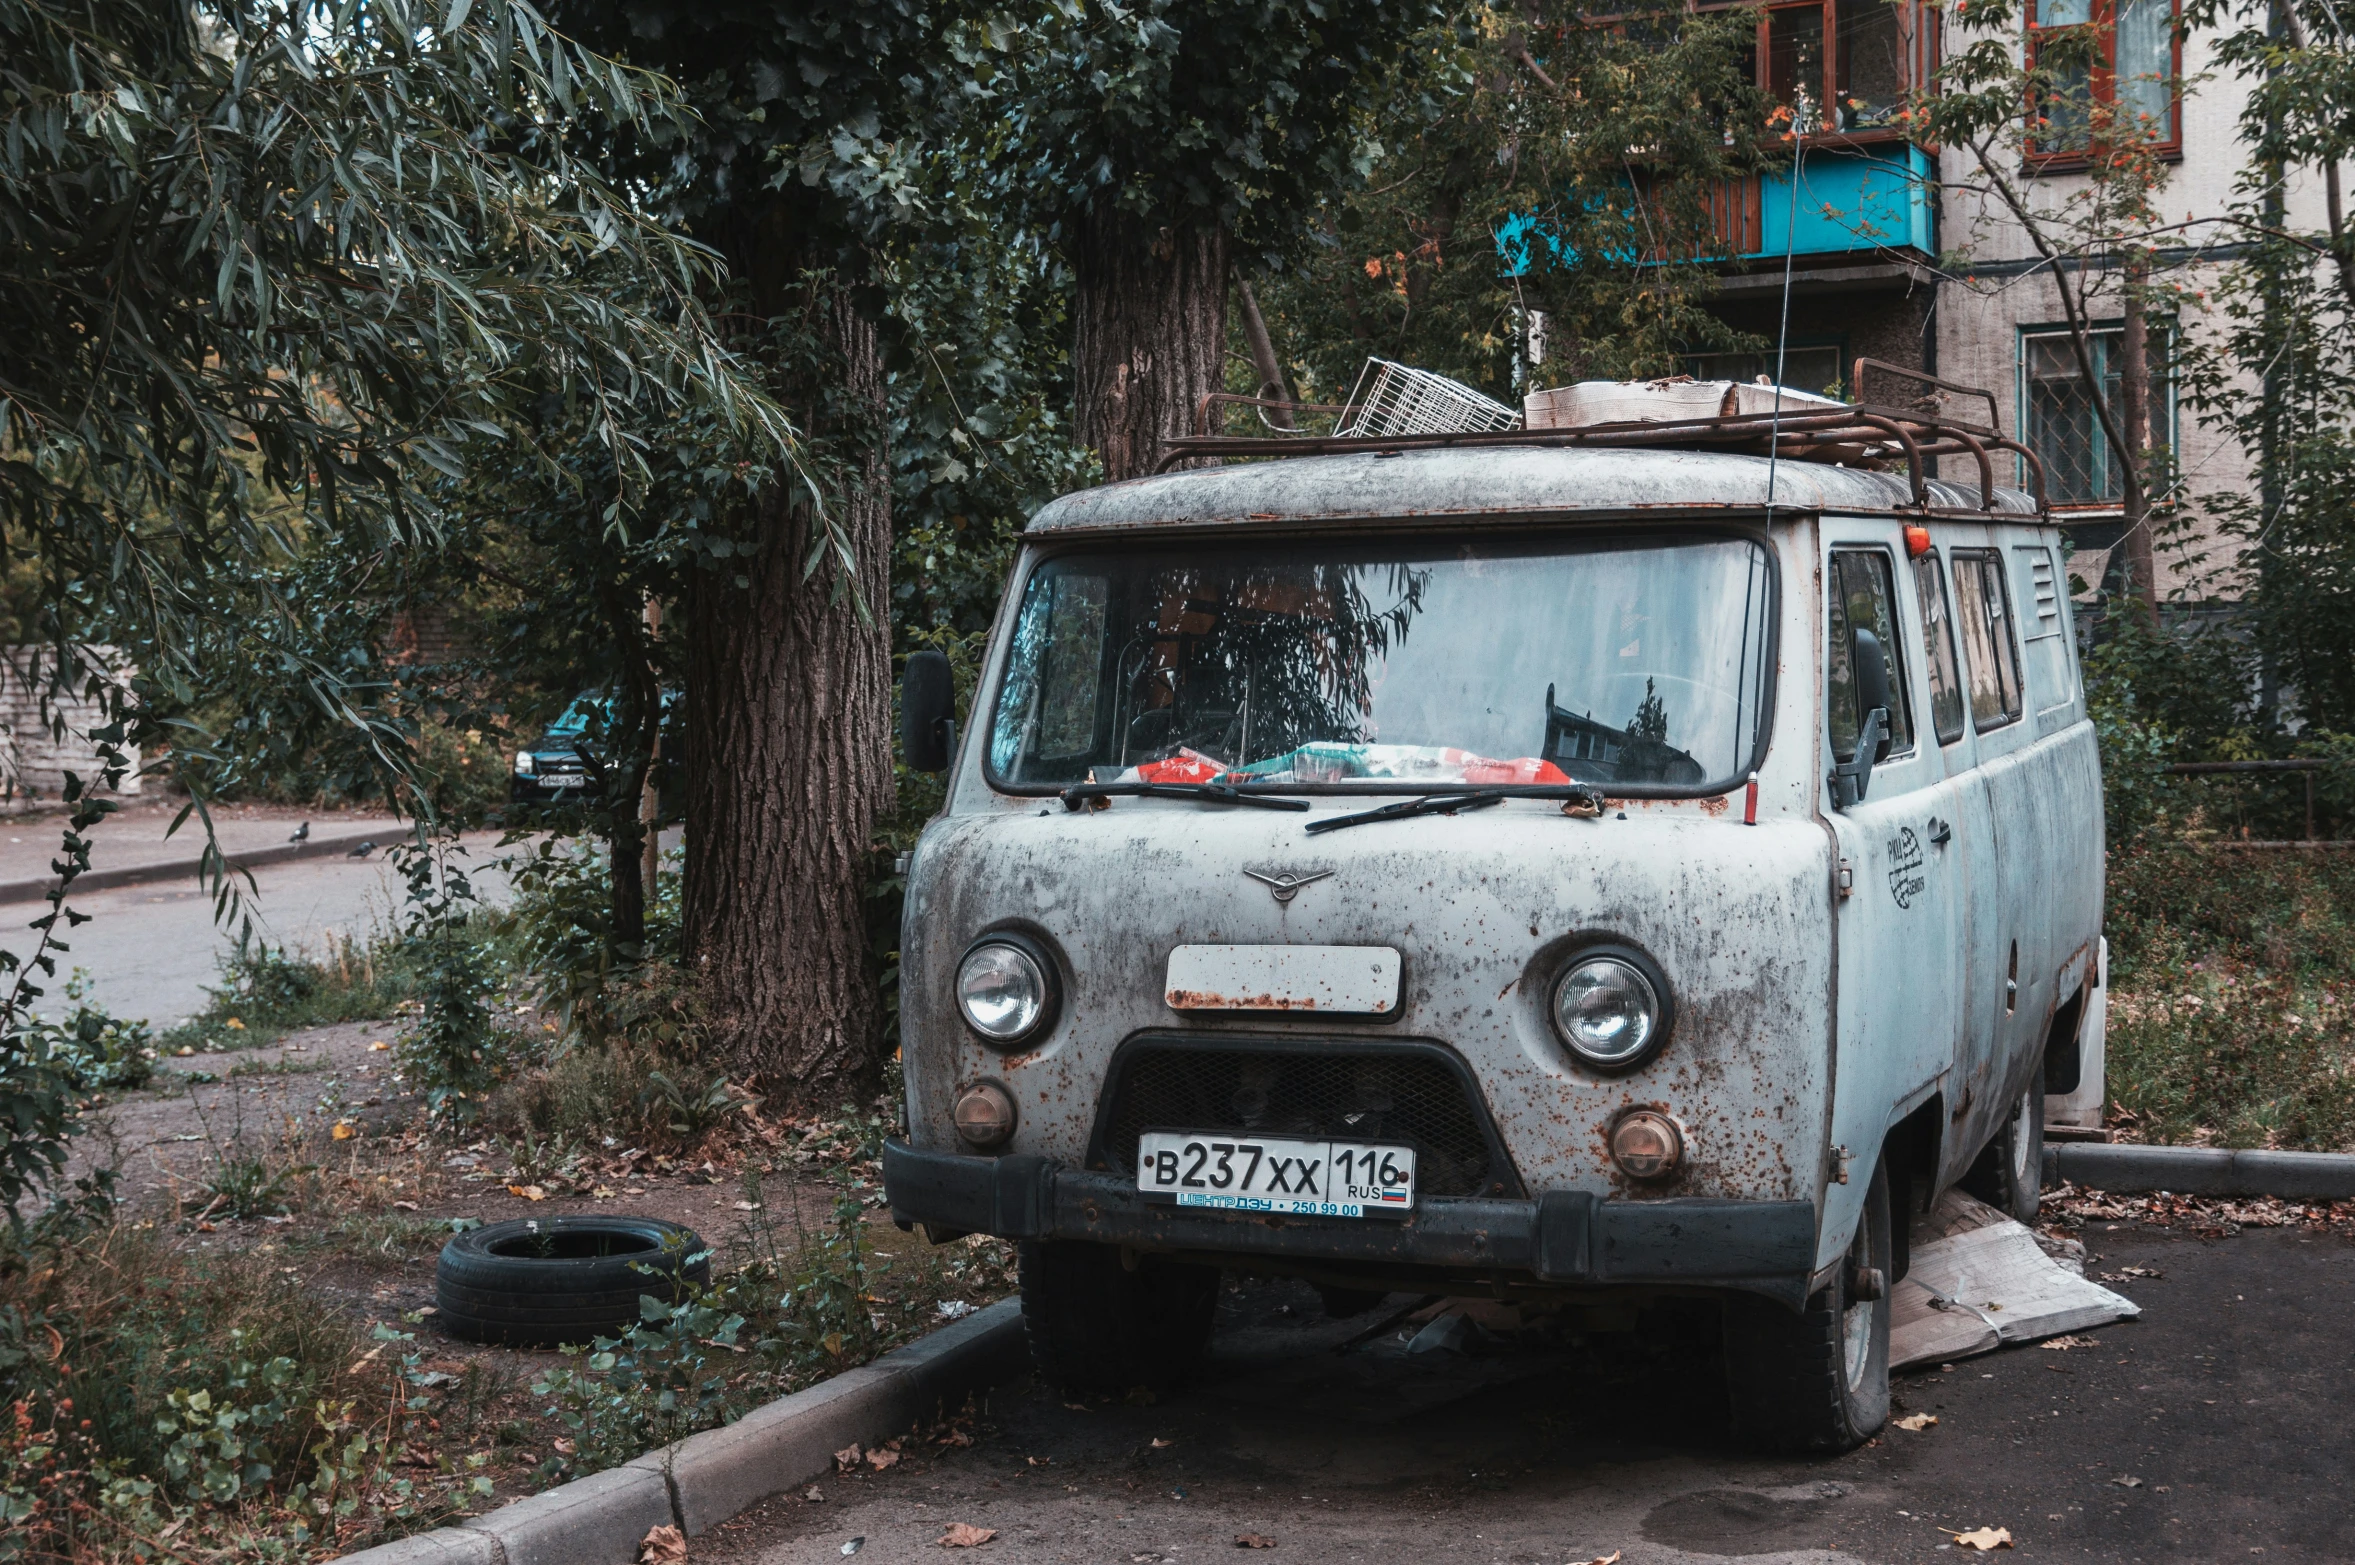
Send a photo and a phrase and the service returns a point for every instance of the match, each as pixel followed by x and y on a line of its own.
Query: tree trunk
pixel 1150 332
pixel 2134 400
pixel 787 743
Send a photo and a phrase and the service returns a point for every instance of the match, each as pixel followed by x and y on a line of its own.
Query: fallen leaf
pixel 404 1206
pixel 855 1544
pixel 952 1437
pixel 879 1460
pixel 378 1048
pixel 661 1546
pixel 814 1494
pixel 528 1192
pixel 1611 1558
pixel 344 1130
pixel 1162 1445
pixel 2066 1344
pixel 2127 1481
pixel 964 1535
pixel 234 1024
pixel 1986 1538
pixel 602 1193
pixel 1916 1421
pixel 206 1228
pixel 1253 1540
pixel 564 1447
pixel 848 1457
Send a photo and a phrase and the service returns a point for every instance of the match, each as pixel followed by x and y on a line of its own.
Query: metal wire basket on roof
pixel 1396 399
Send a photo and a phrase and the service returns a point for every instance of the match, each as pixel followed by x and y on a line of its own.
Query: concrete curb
pixel 185 869
pixel 707 1478
pixel 2293 1176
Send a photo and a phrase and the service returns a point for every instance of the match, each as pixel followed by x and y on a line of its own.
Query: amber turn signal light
pixel 1646 1145
pixel 984 1114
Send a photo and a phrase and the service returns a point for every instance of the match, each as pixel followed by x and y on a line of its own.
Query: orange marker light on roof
pixel 1917 540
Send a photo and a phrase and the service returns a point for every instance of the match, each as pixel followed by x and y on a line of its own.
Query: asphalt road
pixel 152 950
pixel 2227 1404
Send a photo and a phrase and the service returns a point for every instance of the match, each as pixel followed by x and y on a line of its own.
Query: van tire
pixel 1797 1382
pixel 2009 1171
pixel 1095 1322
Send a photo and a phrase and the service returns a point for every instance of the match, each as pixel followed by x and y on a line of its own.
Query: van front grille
pixel 1415 1094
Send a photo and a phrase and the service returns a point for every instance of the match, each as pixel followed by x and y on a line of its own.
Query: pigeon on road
pixel 362 851
pixel 302 833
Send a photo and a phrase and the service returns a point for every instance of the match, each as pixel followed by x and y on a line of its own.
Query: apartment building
pixel 1897 253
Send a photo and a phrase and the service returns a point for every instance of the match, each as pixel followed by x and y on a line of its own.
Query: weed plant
pixel 201 1400
pixel 267 992
pixel 2232 1005
pixel 788 1305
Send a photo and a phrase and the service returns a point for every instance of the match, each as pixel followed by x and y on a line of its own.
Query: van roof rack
pixel 1858 434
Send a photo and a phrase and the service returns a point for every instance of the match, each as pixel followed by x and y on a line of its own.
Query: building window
pixel 2058 420
pixel 2110 72
pixel 1852 61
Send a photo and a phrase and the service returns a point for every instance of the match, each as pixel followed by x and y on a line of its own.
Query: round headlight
pixel 1607 1011
pixel 1004 991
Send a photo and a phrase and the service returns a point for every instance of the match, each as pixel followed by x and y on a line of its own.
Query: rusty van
pixel 1596 866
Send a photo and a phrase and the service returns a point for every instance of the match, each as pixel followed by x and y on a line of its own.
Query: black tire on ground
pixel 541 1282
pixel 2009 1171
pixel 1096 1324
pixel 1817 1381
pixel 1348 1303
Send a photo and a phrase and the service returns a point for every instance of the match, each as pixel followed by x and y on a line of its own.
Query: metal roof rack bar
pixel 1855 433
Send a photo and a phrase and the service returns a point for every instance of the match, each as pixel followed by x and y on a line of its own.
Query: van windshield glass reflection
pixel 1634 665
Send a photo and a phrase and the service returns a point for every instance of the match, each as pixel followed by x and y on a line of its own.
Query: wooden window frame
pixel 1923 17
pixel 2104 26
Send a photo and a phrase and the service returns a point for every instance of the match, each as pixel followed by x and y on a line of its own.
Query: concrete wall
pixel 33 759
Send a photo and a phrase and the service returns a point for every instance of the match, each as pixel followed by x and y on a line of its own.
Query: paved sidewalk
pixel 134 839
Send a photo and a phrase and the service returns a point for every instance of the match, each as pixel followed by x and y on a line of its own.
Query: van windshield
pixel 1638 665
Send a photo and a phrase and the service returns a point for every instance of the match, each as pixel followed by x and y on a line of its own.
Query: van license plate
pixel 1272 1174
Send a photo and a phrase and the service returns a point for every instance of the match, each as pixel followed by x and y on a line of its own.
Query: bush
pixel 91 1049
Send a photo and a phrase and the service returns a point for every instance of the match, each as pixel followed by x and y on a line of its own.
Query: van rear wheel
pixel 2009 1172
pixel 1097 1321
pixel 1818 1380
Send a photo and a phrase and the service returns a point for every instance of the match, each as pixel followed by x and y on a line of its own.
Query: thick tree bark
pixel 788 753
pixel 1150 332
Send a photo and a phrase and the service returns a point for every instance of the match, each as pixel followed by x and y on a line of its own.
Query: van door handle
pixel 1940 833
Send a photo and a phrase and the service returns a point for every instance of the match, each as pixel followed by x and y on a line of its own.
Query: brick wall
pixel 33 760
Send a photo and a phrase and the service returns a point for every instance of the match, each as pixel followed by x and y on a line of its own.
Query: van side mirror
pixel 1850 778
pixel 927 712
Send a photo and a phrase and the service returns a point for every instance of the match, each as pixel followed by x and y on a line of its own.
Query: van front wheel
pixel 1818 1380
pixel 1097 1320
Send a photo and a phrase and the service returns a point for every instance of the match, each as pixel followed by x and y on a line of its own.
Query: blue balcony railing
pixel 1841 200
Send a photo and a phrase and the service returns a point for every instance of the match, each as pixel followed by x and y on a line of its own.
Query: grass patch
pixel 267 992
pixel 2232 1004
pixel 277 1067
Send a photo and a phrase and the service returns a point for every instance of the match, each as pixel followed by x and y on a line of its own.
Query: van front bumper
pixel 1563 1238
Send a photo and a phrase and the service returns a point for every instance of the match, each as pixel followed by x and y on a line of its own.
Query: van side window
pixel 1860 599
pixel 1946 698
pixel 1983 605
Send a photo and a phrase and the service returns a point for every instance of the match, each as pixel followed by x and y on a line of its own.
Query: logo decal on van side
pixel 1905 867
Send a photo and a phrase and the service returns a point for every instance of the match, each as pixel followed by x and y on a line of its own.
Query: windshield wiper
pixel 1458 802
pixel 1208 793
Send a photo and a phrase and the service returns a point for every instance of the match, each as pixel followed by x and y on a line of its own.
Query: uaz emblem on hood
pixel 1285 884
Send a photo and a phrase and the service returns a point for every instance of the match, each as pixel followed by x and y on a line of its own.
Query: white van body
pixel 1875 989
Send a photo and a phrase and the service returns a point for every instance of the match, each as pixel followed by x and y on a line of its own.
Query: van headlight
pixel 525 763
pixel 1610 1010
pixel 1006 990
